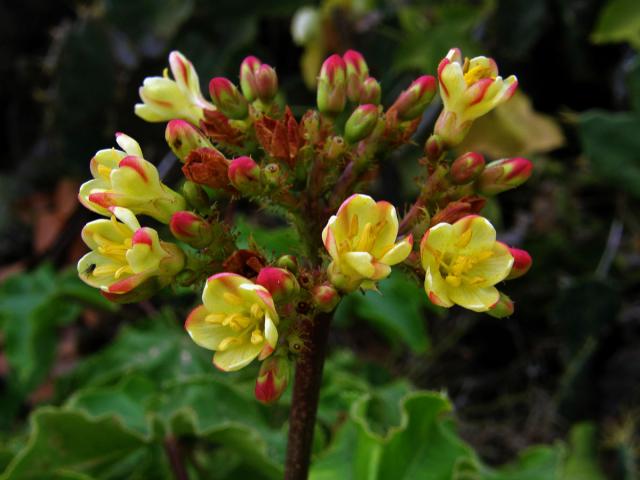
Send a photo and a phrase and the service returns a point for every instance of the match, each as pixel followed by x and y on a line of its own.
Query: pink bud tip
pixel 332 67
pixel 272 380
pixel 281 283
pixel 466 168
pixel 243 172
pixel 520 167
pixel 522 262
pixel 325 297
pixel 355 59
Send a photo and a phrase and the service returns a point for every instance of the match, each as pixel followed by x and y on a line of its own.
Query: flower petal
pixel 238 357
pixel 361 262
pixel 478 299
pixel 495 268
pixel 221 293
pixel 435 286
pixel 473 233
pixel 203 333
pixel 399 252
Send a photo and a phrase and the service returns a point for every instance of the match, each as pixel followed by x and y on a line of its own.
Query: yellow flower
pixel 237 319
pixel 463 262
pixel 361 241
pixel 165 99
pixel 125 179
pixel 124 255
pixel 469 90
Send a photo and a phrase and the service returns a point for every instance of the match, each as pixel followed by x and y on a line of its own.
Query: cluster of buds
pixel 242 144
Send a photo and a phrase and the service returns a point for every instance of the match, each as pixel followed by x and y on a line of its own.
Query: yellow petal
pixel 270 331
pixel 478 299
pixel 361 262
pixel 237 357
pixel 473 233
pixel 437 239
pixel 436 287
pixel 203 333
pixel 452 86
pixel 221 290
pixel 129 145
pixel 398 253
pixel 495 268
pixel 151 114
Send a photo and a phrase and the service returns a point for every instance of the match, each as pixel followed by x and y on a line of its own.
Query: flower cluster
pixel 244 143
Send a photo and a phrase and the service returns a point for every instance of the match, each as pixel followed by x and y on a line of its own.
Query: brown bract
pixel 244 262
pixel 280 138
pixel 454 211
pixel 396 131
pixel 217 127
pixel 207 166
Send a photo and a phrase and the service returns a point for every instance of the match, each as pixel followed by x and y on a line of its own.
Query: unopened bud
pixel 248 69
pixel 503 308
pixel 361 123
pixel 195 195
pixel 434 147
pixel 502 175
pixel 332 86
pixel 191 229
pixel 357 72
pixel 183 138
pixel 325 297
pixel 273 379
pixel 466 168
pixel 281 283
pixel 450 131
pixel 289 262
pixel 411 103
pixel 226 96
pixel 370 91
pixel 521 263
pixel 310 126
pixel 244 174
pixel 266 83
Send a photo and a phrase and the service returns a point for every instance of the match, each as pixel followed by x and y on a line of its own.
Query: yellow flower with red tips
pixel 165 99
pixel 361 239
pixel 469 89
pixel 125 179
pixel 463 261
pixel 124 255
pixel 238 320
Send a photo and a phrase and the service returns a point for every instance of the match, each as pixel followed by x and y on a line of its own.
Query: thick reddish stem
pixel 306 392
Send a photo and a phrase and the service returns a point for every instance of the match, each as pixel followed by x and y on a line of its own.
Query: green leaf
pixel 276 241
pixel 534 463
pixel 612 143
pixel 582 461
pixel 619 21
pixel 422 445
pixel 32 306
pixel 64 444
pixel 397 311
pixel 158 349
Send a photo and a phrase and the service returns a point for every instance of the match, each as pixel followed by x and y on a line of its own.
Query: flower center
pixel 114 251
pixel 476 73
pixel 245 325
pixel 455 269
pixel 365 240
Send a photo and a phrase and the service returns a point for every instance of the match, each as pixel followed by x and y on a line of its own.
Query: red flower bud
pixel 207 166
pixel 411 103
pixel 357 72
pixel 273 379
pixel 281 283
pixel 183 137
pixel 370 91
pixel 361 123
pixel 466 168
pixel 332 87
pixel 325 297
pixel 191 229
pixel 521 263
pixel 433 147
pixel 228 98
pixel 503 307
pixel 244 174
pixel 502 175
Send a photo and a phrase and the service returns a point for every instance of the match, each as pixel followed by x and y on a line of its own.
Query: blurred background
pixel 564 371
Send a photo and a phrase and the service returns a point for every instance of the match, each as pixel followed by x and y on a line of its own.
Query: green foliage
pixel 619 21
pixel 32 307
pixel 397 311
